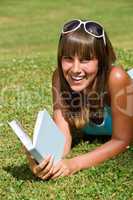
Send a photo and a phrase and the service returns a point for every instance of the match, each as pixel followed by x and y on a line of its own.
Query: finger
pixel 48 170
pixel 59 173
pixel 57 167
pixel 32 162
pixel 31 158
pixel 48 175
pixel 43 164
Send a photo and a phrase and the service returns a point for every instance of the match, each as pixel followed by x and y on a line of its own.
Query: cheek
pixel 93 69
pixel 65 66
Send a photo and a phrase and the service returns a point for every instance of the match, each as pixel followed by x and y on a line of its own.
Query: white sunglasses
pixel 91 27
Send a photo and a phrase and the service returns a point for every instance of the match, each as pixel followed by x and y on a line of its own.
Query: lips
pixel 77 78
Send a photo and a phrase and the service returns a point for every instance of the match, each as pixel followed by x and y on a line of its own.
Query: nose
pixel 76 66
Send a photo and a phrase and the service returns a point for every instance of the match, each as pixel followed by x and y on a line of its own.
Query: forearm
pixel 67 146
pixel 100 154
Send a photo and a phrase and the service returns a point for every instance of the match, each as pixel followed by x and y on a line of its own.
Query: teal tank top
pixel 105 128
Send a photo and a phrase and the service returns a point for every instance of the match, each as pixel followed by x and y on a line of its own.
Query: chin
pixel 77 89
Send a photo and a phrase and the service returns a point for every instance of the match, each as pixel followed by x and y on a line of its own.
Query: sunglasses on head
pixel 91 27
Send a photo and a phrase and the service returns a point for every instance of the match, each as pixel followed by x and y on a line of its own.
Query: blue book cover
pixel 47 137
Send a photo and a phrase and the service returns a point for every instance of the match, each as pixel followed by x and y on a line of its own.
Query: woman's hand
pixel 42 170
pixel 46 170
pixel 65 167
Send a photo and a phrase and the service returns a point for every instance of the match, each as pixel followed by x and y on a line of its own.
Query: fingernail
pixel 51 170
pixel 48 156
pixel 52 158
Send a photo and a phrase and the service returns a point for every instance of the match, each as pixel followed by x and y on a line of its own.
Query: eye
pixel 84 60
pixel 67 58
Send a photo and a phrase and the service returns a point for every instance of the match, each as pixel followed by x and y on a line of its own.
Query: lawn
pixel 29 32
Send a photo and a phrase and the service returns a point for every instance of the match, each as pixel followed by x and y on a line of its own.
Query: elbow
pixel 126 145
pixel 123 144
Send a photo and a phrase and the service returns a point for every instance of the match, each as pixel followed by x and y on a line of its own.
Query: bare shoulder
pixel 118 79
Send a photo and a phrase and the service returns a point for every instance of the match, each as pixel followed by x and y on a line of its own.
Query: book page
pixel 22 135
pixel 47 138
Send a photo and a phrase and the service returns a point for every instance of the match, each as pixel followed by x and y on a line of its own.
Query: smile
pixel 77 78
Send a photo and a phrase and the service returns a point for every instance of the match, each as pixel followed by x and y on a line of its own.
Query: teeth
pixel 77 78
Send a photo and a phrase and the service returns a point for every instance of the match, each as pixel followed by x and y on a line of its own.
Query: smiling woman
pixel 79 73
pixel 85 85
pixel 83 51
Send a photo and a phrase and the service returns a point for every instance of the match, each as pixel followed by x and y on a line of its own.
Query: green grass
pixel 27 27
pixel 28 42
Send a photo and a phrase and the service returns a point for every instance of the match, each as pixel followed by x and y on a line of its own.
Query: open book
pixel 47 138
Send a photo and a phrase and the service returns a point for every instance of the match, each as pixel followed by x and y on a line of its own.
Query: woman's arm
pixel 57 113
pixel 45 168
pixel 122 121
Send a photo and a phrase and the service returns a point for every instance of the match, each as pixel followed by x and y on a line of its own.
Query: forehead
pixel 77 46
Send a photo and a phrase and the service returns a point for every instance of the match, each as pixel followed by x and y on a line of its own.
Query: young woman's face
pixel 79 73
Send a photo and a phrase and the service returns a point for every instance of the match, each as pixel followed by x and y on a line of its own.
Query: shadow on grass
pixel 78 136
pixel 21 172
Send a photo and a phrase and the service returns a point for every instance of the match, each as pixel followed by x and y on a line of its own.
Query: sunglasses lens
pixel 94 28
pixel 71 25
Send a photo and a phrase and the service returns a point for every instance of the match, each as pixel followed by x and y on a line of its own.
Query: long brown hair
pixel 76 106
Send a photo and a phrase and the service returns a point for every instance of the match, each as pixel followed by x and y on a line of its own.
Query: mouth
pixel 77 78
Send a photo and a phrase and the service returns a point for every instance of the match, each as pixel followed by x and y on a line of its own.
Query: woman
pixel 88 96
